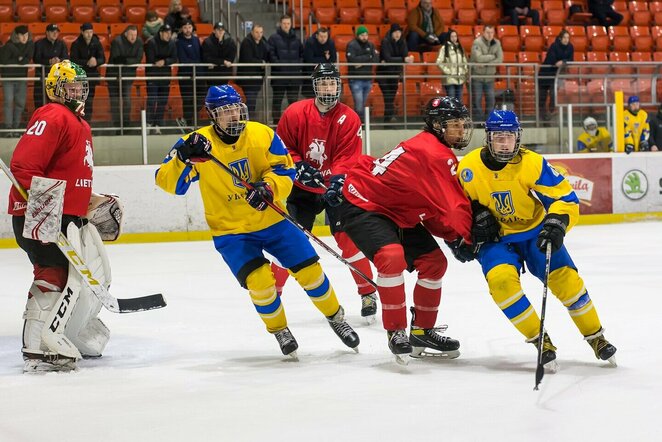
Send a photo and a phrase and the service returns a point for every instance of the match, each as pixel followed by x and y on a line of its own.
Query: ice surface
pixel 204 369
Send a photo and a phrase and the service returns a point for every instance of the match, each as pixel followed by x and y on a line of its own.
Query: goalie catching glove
pixel 106 213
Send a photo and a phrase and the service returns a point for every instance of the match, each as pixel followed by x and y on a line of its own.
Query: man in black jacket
pixel 18 50
pixel 125 49
pixel 603 11
pixel 87 53
pixel 394 51
pixel 47 52
pixel 285 52
pixel 160 52
pixel 220 50
pixel 319 48
pixel 520 8
pixel 254 49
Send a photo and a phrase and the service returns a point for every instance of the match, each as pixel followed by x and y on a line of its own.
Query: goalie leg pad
pixel 37 309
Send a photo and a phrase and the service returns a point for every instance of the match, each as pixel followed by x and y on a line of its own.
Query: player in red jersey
pixel 323 136
pixel 392 208
pixel 58 144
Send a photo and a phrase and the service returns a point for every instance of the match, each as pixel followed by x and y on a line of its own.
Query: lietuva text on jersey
pixel 258 155
pixel 507 192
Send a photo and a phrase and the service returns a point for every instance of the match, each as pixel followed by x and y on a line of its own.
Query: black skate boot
pixel 288 345
pixel 422 339
pixel 548 355
pixel 346 333
pixel 399 345
pixel 369 307
pixel 601 347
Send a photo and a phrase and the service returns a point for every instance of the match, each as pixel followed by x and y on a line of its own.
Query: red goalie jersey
pixel 330 142
pixel 413 183
pixel 58 145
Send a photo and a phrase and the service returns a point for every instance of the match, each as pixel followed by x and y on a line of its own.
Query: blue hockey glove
pixel 195 149
pixel 333 195
pixel 462 251
pixel 553 230
pixel 485 227
pixel 258 196
pixel 308 175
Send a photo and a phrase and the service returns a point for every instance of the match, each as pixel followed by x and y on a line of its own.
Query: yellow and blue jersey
pixel 520 194
pixel 258 155
pixel 636 128
pixel 600 142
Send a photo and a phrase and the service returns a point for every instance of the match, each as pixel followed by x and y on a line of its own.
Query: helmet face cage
pixel 591 126
pixel 457 132
pixel 323 88
pixel 503 155
pixel 230 118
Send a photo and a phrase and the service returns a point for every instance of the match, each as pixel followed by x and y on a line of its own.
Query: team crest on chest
pixel 89 155
pixel 503 202
pixel 240 167
pixel 316 151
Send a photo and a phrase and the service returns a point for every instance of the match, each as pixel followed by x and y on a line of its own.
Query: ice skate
pixel 369 308
pixel 288 345
pixel 548 355
pixel 399 345
pixel 48 364
pixel 425 339
pixel 346 333
pixel 601 347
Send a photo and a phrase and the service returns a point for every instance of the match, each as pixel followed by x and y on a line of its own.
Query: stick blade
pixel 144 303
pixel 540 372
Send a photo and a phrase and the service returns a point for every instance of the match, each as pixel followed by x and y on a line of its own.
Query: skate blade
pixel 356 349
pixel 612 361
pixel 551 367
pixel 294 356
pixel 423 352
pixel 369 320
pixel 402 359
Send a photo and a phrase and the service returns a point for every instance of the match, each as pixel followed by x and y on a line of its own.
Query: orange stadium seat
pixel 83 13
pixel 350 15
pixel 341 41
pixel 637 6
pixel 556 16
pixel 440 4
pixel 397 15
pixel 578 37
pixel 323 3
pixel 110 14
pixel 107 3
pixel 37 29
pixel 373 15
pixel 490 16
pixel 534 42
pixel 655 7
pixel 371 4
pixel 467 16
pixel 598 57
pixel 642 57
pixel 529 57
pixel 389 4
pixel 447 15
pixel 28 13
pixel 511 43
pixel 463 4
pixel 619 57
pixel 641 18
pixel 621 40
pixel 135 14
pixel 550 33
pixel 204 29
pixel 56 13
pixel 6 13
pixel 325 14
pixel 346 4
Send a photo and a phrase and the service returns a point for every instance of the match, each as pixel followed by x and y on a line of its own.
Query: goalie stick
pixel 148 302
pixel 287 216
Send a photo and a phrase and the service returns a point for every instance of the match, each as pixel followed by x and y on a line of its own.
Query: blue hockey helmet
pixel 226 109
pixel 502 127
pixel 633 99
pixel 449 120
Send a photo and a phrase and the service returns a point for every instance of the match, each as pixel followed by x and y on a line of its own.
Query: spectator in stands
pixel 636 127
pixel 393 53
pixel 319 48
pixel 604 12
pixel 655 125
pixel 486 51
pixel 425 27
pixel 254 49
pixel 125 49
pixel 220 50
pixel 286 56
pixel 189 51
pixel 47 52
pixel 594 138
pixel 160 53
pixel 362 51
pixel 177 15
pixel 87 52
pixel 18 50
pixel 520 8
pixel 453 64
pixel 152 25
pixel 559 52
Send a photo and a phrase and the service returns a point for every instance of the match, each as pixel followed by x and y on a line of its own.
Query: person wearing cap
pixel 220 50
pixel 286 56
pixel 125 49
pixel 47 52
pixel 393 53
pixel 655 124
pixel 160 53
pixel 594 138
pixel 177 15
pixel 452 62
pixel 18 50
pixel 189 51
pixel 152 25
pixel 87 52
pixel 318 48
pixel 637 129
pixel 254 49
pixel 362 53
pixel 426 27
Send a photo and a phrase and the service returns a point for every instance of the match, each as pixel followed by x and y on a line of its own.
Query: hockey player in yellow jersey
pixel 594 138
pixel 637 130
pixel 241 222
pixel 504 178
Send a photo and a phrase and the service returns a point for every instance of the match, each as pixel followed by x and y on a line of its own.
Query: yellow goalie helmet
pixel 67 84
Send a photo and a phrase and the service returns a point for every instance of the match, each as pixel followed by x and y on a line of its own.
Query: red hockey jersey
pixel 413 183
pixel 57 144
pixel 330 142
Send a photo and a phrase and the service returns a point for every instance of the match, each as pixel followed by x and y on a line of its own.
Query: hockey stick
pixel 149 302
pixel 287 216
pixel 540 371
